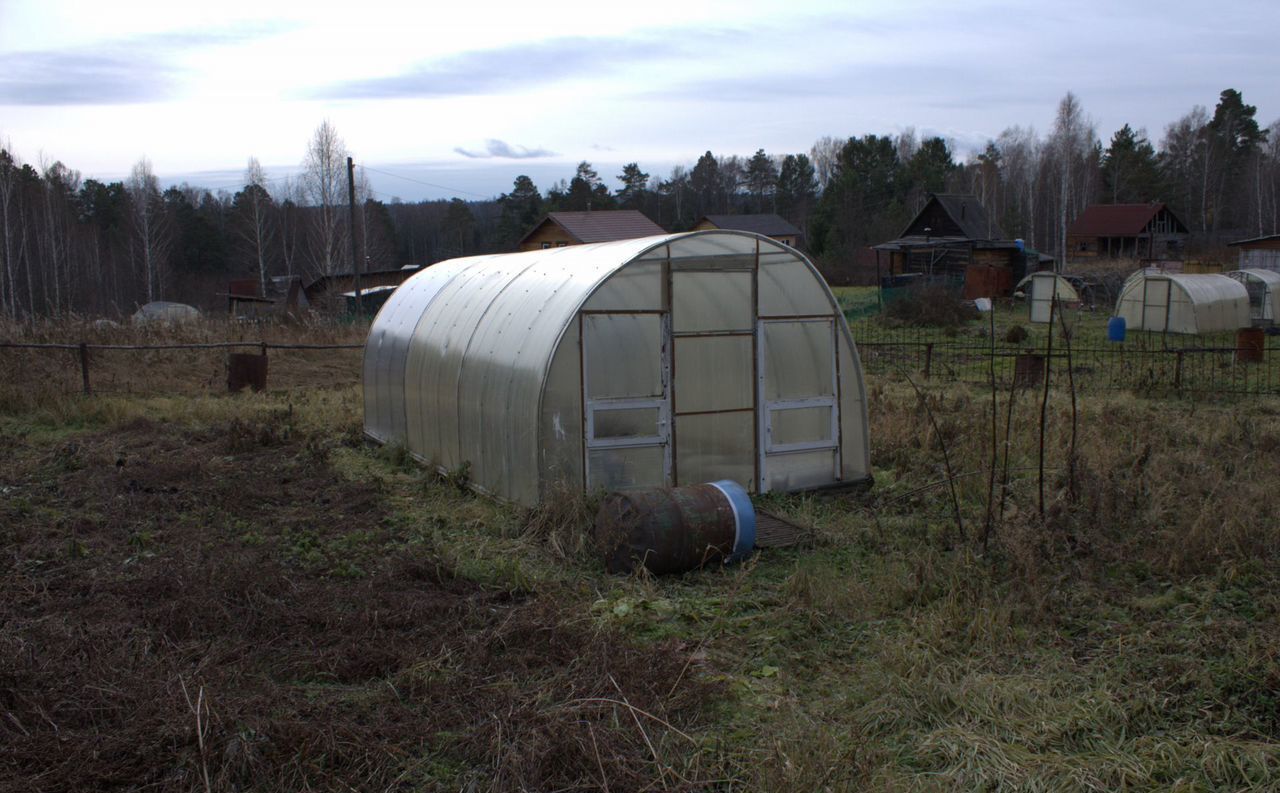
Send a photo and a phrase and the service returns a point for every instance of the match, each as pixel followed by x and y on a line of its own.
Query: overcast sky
pixel 466 95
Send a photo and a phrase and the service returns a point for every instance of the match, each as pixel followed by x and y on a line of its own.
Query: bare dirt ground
pixel 218 609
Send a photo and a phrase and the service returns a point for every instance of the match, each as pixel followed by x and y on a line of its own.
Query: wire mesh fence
pixel 1143 362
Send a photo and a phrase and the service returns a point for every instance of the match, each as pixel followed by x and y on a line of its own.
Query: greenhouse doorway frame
pixel 620 422
pixel 807 448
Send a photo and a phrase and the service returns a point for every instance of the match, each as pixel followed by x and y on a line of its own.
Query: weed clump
pixel 930 305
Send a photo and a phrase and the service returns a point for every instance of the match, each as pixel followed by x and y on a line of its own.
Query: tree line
pixel 73 245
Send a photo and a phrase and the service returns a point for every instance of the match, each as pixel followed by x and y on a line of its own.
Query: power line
pixel 427 184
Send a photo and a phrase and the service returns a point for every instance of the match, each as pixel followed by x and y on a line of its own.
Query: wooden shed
pixel 954 238
pixel 1259 253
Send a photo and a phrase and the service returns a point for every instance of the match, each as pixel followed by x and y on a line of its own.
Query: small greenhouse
pixel 1041 289
pixel 1263 287
pixel 666 360
pixel 1174 303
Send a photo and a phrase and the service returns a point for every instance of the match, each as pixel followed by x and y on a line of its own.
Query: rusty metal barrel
pixel 1251 345
pixel 672 530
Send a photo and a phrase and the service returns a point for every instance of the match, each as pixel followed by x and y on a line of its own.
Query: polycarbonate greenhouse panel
pixel 622 358
pixel 789 286
pixel 798 356
pixel 790 472
pixel 637 287
pixel 387 350
pixel 715 446
pixel 713 373
pixel 714 251
pixel 855 446
pixel 711 301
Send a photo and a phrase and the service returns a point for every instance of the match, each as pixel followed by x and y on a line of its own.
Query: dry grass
pixel 214 607
pixel 48 377
pixel 1127 640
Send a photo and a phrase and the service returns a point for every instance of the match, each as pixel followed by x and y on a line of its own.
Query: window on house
pixel 546 245
pixel 561 244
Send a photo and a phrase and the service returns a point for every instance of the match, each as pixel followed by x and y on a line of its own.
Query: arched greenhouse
pixel 673 360
pixel 1175 303
pixel 1263 287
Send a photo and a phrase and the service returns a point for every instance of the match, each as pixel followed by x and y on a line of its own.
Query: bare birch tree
pixel 825 154
pixel 324 180
pixel 149 226
pixel 1068 143
pixel 255 225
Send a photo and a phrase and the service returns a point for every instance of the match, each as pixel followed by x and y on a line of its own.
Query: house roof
pixel 602 225
pixel 1264 238
pixel 767 223
pixel 964 211
pixel 322 283
pixel 1116 220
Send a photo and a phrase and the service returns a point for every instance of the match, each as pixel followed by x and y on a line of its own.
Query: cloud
pixel 512 68
pixel 125 71
pixel 55 78
pixel 494 148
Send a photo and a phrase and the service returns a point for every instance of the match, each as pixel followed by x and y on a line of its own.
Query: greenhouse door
pixel 1155 303
pixel 799 403
pixel 626 375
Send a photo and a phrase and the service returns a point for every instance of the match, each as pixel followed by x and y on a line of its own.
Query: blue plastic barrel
pixel 1115 329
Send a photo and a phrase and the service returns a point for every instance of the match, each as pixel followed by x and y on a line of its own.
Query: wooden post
pixel 928 359
pixel 355 261
pixel 1177 371
pixel 84 366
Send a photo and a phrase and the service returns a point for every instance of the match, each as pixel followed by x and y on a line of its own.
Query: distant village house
pixel 559 229
pixel 1127 231
pixel 767 224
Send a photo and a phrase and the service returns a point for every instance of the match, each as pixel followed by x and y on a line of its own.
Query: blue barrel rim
pixel 744 518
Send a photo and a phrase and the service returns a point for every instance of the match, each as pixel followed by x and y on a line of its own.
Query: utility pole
pixel 355 260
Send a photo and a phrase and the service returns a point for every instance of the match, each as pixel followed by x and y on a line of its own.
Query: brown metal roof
pixel 1115 220
pixel 604 226
pixel 767 224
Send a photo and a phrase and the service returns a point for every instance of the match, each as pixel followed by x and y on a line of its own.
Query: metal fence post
pixel 1177 371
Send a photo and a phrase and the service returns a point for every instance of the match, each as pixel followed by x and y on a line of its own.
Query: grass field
pixel 209 592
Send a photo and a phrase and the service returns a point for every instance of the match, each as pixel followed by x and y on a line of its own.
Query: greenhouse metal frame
pixel 666 360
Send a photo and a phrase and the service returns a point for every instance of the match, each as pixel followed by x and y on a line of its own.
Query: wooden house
pixel 559 229
pixel 1127 231
pixel 954 238
pixel 1259 253
pixel 767 224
